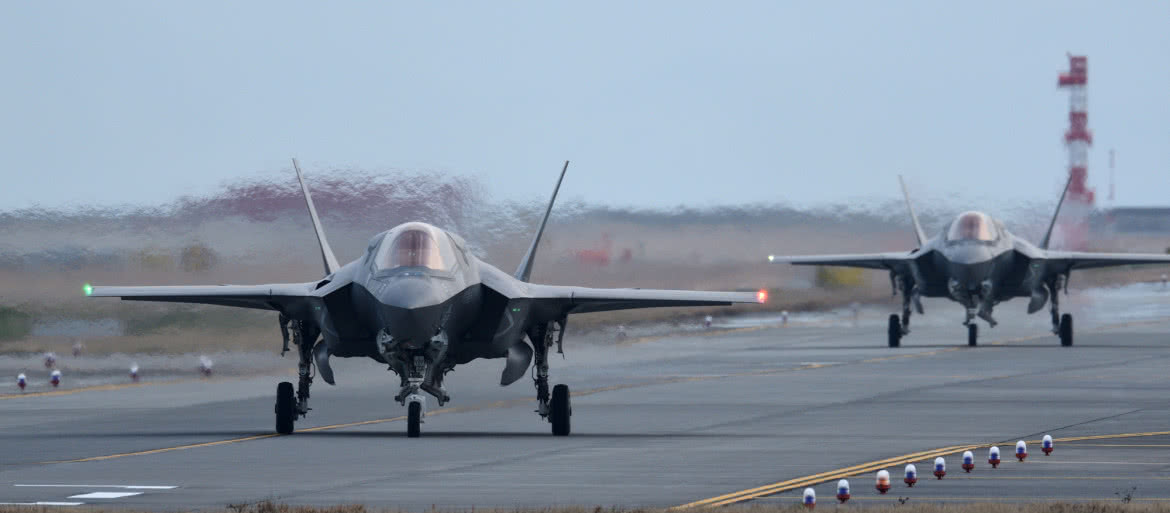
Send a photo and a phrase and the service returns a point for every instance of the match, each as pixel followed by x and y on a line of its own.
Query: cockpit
pixel 973 226
pixel 415 245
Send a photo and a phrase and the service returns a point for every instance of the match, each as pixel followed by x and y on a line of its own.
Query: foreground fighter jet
pixel 976 262
pixel 420 302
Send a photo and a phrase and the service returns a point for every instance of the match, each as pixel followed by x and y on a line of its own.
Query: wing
pixel 1071 260
pixel 890 261
pixel 276 296
pixel 566 300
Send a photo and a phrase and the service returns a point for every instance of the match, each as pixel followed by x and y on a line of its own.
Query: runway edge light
pixel 993 457
pixel 1021 450
pixel 134 372
pixel 55 378
pixel 1046 445
pixel 843 490
pixel 21 381
pixel 968 461
pixel 883 482
pixel 911 475
pixel 810 498
pixel 940 467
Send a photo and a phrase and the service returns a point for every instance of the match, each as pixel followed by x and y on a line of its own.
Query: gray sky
pixel 656 103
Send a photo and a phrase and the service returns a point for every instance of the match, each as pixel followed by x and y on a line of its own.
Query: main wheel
pixel 560 410
pixel 972 334
pixel 895 331
pixel 286 408
pixel 413 419
pixel 1066 330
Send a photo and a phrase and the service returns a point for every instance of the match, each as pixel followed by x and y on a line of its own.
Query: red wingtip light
pixel 762 296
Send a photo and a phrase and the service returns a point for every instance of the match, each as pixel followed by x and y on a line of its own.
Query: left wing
pixel 1064 261
pixel 584 299
pixel 890 261
pixel 276 296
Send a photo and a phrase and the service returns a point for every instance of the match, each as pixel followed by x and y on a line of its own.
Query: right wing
pixel 276 296
pixel 889 261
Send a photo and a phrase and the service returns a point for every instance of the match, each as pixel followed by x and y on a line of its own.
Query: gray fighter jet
pixel 420 302
pixel 977 263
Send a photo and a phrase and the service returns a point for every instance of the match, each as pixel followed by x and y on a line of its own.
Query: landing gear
pixel 1066 330
pixel 414 415
pixel 290 405
pixel 560 409
pixel 286 413
pixel 972 334
pixel 555 407
pixel 895 331
pixel 420 369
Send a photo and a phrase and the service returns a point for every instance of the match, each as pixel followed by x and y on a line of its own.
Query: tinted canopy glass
pixel 972 226
pixel 415 245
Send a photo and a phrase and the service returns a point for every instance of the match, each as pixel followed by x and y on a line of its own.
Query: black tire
pixel 895 331
pixel 1066 330
pixel 972 335
pixel 286 408
pixel 414 420
pixel 560 410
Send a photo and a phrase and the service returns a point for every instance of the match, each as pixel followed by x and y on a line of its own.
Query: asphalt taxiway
pixel 751 412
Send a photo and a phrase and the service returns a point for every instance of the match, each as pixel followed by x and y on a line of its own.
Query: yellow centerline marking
pixel 783 486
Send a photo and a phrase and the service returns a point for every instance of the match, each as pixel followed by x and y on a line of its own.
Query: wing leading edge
pixel 585 299
pixel 890 261
pixel 276 296
pixel 1072 260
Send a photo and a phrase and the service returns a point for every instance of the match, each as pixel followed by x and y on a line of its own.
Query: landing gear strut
pixel 972 334
pixel 289 406
pixel 556 408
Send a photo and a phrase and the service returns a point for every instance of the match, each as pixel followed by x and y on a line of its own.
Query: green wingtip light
pixel 88 289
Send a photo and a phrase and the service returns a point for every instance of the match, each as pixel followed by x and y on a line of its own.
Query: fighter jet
pixel 420 302
pixel 978 263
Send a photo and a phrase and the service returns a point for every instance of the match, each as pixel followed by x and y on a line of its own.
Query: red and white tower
pixel 1078 205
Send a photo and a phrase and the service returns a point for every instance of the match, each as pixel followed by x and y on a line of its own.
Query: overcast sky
pixel 656 103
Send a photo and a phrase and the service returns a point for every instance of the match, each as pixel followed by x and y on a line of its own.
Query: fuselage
pixel 975 259
pixel 413 284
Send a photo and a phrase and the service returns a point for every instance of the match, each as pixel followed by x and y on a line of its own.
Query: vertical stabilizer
pixel 921 235
pixel 525 269
pixel 1048 235
pixel 331 265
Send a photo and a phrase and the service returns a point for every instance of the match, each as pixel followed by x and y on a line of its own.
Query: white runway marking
pixel 124 487
pixel 104 495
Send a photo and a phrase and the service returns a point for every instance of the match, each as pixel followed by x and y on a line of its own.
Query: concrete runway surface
pixel 753 412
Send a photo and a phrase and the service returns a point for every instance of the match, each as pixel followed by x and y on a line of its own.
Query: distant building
pixel 1133 220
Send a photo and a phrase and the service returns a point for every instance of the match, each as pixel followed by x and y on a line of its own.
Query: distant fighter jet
pixel 420 302
pixel 976 262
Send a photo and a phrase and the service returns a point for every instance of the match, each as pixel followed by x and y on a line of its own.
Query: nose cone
pixel 407 292
pixel 410 309
pixel 969 253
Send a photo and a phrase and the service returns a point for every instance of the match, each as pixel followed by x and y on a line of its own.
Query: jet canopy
pixel 415 245
pixel 975 226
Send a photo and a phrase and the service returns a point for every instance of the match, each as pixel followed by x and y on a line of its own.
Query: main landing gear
pixel 290 405
pixel 557 408
pixel 1062 325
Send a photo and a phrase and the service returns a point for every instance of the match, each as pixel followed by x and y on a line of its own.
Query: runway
pixel 748 413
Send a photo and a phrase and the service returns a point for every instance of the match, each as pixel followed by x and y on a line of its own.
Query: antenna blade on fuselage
pixel 921 235
pixel 525 270
pixel 331 265
pixel 1048 235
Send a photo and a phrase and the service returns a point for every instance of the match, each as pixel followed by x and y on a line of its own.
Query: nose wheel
pixel 414 415
pixel 560 410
